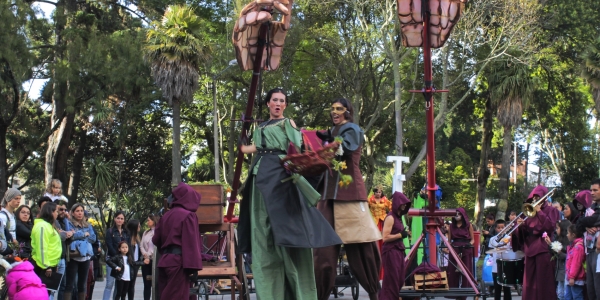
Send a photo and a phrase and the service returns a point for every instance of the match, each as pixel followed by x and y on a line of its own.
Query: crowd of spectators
pixel 62 245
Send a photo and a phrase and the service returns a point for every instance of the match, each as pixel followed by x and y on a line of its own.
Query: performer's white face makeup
pixel 458 216
pixel 277 105
pixel 337 113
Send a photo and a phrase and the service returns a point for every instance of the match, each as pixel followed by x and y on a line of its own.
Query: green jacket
pixel 45 243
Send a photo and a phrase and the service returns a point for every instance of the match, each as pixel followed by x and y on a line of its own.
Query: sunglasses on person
pixel 62 209
pixel 338 108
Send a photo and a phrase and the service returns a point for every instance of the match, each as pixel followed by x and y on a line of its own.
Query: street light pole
pixel 216 120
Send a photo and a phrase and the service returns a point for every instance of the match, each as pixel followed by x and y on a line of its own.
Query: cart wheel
pixel 202 290
pixel 519 289
pixel 355 291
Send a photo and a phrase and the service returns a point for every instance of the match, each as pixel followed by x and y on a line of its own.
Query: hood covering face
pixel 185 197
pixel 463 213
pixel 397 200
pixel 584 198
pixel 539 191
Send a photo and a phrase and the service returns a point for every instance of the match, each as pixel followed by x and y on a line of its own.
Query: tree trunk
pixel 3 161
pixel 484 172
pixel 504 173
pixel 398 104
pixel 527 166
pixel 176 176
pixel 231 145
pixel 77 167
pixel 57 154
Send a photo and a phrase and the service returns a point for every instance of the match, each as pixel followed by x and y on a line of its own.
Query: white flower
pixel 556 246
pixel 339 151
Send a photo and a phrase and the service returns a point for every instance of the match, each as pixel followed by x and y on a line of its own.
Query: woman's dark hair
pixel 47 212
pixel 574 211
pixel 155 219
pixel 273 91
pixel 573 230
pixel 132 227
pixel 18 214
pixel 83 222
pixel 349 114
pixel 129 254
pixel 117 213
pixel 562 237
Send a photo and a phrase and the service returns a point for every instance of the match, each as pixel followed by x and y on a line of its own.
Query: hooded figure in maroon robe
pixel 393 250
pixel 179 260
pixel 462 241
pixel 582 201
pixel 538 280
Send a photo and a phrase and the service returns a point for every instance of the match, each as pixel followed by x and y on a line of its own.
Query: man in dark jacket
pixel 65 233
pixel 178 260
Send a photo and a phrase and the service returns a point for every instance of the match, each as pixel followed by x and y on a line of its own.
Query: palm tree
pixel 511 88
pixel 175 48
pixel 591 70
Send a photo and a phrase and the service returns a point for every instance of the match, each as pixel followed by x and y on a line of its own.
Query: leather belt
pixel 172 250
pixel 269 151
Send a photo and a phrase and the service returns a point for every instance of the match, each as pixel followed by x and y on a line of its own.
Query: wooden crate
pixel 211 204
pixel 431 282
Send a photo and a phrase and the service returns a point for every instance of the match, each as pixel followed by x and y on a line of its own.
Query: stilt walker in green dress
pixel 279 223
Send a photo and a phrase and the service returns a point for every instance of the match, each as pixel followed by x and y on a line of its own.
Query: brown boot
pixel 67 295
pixel 81 296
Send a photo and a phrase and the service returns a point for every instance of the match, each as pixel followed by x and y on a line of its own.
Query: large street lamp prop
pixel 216 119
pixel 258 43
pixel 427 24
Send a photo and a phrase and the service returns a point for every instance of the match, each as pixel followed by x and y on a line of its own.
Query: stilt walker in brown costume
pixel 347 210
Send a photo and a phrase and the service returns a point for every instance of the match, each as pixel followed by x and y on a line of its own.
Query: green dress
pixel 278 221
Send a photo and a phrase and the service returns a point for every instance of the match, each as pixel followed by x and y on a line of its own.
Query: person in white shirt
pixel 10 202
pixel 495 256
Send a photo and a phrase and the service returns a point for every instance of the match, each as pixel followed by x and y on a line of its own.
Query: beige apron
pixel 354 223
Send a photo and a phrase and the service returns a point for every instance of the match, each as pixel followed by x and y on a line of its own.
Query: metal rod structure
pixel 432 226
pixel 428 93
pixel 461 264
pixel 247 118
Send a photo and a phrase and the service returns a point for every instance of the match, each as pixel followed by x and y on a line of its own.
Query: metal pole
pixel 515 180
pixel 216 130
pixel 247 118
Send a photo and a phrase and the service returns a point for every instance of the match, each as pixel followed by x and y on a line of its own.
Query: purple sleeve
pixel 517 240
pixel 544 221
pixel 156 238
pixel 191 252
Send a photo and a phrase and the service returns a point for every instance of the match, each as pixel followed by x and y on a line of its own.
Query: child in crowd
pixel 574 272
pixel 560 235
pixel 122 270
pixel 22 282
pixel 499 226
pixel 54 191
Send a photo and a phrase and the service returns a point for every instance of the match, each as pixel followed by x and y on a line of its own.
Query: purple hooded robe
pixel 179 224
pixel 392 252
pixel 585 199
pixel 538 281
pixel 461 242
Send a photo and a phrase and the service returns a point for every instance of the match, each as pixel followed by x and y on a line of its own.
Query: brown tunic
pixel 352 146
